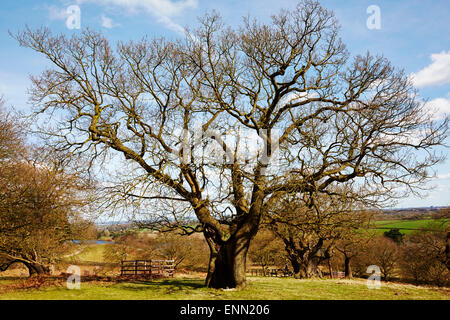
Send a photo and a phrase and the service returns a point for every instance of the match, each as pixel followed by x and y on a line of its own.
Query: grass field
pixel 89 253
pixel 192 288
pixel 409 226
pixel 258 289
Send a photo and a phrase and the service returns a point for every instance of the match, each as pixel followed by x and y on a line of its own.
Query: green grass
pixel 258 289
pixel 411 224
pixel 91 253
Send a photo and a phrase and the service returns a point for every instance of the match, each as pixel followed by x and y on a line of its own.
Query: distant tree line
pixel 422 257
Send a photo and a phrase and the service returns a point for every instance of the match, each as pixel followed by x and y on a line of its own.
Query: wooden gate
pixel 148 268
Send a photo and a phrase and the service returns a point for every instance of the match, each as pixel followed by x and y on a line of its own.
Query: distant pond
pixel 92 241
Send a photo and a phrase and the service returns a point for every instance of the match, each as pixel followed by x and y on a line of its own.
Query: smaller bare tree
pixel 267 250
pixel 351 246
pixel 311 224
pixel 384 253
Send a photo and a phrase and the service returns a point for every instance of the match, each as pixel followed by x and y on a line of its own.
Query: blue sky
pixel 414 35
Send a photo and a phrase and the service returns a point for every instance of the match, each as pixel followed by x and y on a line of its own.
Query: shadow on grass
pixel 166 285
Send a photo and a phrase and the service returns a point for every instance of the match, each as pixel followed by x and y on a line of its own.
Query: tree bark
pixel 6 265
pixel 306 268
pixel 296 267
pixel 310 268
pixel 305 261
pixel 35 268
pixel 330 269
pixel 348 268
pixel 212 263
pixel 227 265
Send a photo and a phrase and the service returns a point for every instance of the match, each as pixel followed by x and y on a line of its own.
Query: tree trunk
pixel 310 268
pixel 4 266
pixel 304 263
pixel 296 268
pixel 264 270
pixel 305 269
pixel 35 268
pixel 211 264
pixel 229 246
pixel 330 269
pixel 348 268
pixel 227 264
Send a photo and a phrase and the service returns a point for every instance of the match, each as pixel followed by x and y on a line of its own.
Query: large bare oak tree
pixel 324 118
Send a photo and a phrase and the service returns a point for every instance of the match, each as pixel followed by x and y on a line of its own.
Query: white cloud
pixel 171 25
pixel 108 22
pixel 443 176
pixel 56 13
pixel 437 73
pixel 163 10
pixel 439 108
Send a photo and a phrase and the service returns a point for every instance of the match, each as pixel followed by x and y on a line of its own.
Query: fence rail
pixel 338 274
pixel 274 272
pixel 271 272
pixel 149 268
